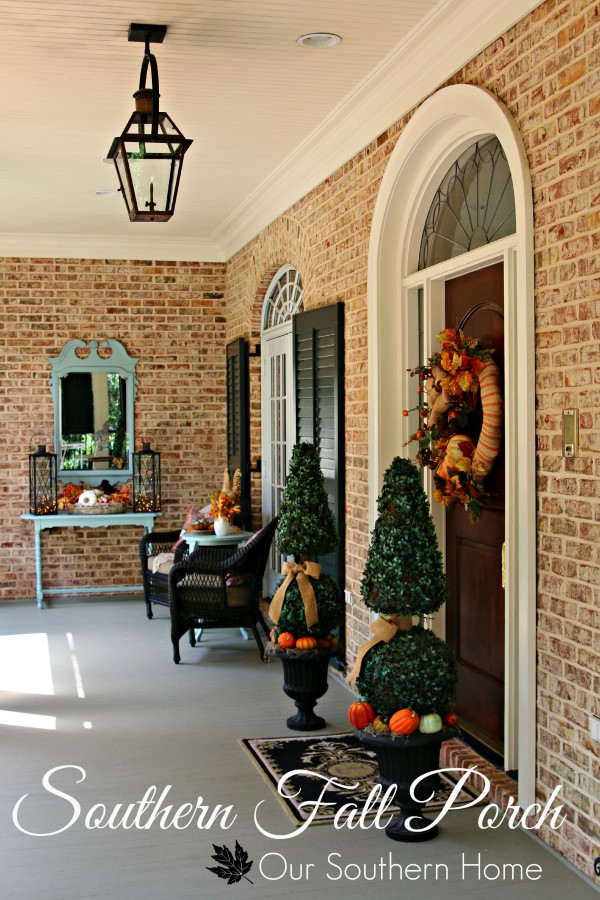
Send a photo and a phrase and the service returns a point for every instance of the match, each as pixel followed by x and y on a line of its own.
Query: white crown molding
pixel 450 37
pixel 104 246
pixel 434 50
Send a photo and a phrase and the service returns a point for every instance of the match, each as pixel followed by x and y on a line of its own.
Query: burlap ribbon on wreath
pixel 383 629
pixel 302 572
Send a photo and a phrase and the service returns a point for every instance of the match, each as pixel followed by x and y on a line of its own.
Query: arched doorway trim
pixel 440 130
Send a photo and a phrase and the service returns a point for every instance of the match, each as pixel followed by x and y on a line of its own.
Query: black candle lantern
pixel 43 497
pixel 148 155
pixel 146 480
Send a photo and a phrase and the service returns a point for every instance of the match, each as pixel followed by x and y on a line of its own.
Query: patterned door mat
pixel 338 756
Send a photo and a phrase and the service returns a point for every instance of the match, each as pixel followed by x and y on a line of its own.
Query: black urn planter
pixel 304 680
pixel 401 760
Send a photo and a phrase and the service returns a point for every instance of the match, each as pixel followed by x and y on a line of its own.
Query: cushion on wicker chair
pixel 161 563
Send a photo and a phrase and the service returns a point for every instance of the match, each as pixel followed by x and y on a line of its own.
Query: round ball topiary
pixel 416 669
pixel 330 604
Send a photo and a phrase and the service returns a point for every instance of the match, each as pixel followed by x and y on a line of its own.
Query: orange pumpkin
pixel 286 640
pixel 361 714
pixel 405 721
pixel 306 643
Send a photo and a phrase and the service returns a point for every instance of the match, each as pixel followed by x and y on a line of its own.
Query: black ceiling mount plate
pixel 155 34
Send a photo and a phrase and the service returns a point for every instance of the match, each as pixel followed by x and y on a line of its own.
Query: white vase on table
pixel 221 526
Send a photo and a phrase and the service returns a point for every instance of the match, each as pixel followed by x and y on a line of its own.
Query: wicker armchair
pixel 217 588
pixel 156 584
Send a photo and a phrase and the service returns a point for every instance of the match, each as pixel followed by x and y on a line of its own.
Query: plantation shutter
pixel 319 380
pixel 238 413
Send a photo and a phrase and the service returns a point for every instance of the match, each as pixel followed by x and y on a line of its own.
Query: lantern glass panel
pixel 149 175
pixel 122 167
pixel 154 181
pixel 146 481
pixel 42 483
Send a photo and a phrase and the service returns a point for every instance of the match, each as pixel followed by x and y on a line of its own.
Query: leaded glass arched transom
pixel 474 204
pixel 284 298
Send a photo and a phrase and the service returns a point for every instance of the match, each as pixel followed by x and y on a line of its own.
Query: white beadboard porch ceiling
pixel 269 119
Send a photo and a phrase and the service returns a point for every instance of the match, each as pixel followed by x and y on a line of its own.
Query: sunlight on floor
pixel 25 664
pixel 25 669
pixel 76 669
pixel 27 720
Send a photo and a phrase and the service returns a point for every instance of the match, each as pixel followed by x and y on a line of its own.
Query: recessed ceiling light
pixel 319 40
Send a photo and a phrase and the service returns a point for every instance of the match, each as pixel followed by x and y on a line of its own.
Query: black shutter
pixel 238 417
pixel 319 379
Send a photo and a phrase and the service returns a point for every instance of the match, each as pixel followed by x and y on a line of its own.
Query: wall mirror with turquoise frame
pixel 93 388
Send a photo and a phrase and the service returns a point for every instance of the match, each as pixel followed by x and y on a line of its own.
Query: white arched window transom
pixel 284 298
pixel 474 204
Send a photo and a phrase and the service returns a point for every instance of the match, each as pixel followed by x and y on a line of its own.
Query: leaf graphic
pixel 233 868
pixel 223 855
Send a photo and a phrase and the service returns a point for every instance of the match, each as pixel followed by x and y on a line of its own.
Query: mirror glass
pixel 93 421
pixel 93 387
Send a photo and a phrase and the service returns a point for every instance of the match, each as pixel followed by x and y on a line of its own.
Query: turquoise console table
pixel 66 520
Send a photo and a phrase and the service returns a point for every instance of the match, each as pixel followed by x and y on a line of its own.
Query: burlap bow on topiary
pixel 302 573
pixel 384 628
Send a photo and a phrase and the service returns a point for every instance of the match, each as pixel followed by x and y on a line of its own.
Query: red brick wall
pixel 171 316
pixel 545 69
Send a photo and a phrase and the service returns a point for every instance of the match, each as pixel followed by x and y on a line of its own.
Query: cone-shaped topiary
pixel 404 577
pixel 306 526
pixel 306 529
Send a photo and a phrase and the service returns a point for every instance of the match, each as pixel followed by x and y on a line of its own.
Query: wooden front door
pixel 475 608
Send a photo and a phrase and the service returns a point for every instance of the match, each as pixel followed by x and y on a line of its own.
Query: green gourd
pixel 430 723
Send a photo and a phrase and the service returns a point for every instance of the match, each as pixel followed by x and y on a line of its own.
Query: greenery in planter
pixel 306 526
pixel 403 574
pixel 306 529
pixel 404 577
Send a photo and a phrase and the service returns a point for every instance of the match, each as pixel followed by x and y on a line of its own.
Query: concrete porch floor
pixel 118 708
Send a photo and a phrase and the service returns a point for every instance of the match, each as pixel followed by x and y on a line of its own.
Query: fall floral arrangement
pixel 70 493
pixel 223 505
pixel 459 449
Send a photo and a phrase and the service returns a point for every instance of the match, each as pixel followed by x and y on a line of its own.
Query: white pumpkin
pixel 87 498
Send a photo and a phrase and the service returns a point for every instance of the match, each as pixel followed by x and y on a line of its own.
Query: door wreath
pixel 449 445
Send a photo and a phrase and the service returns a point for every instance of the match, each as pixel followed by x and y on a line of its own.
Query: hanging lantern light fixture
pixel 43 488
pixel 146 480
pixel 148 155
